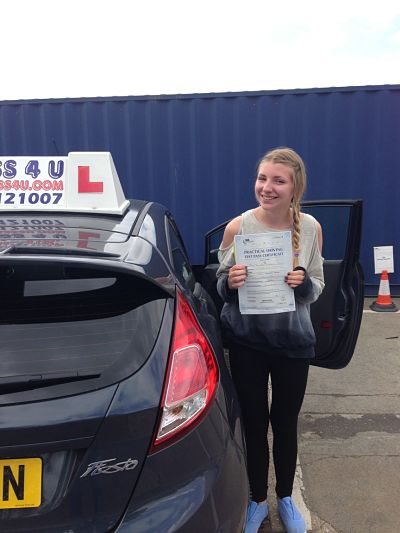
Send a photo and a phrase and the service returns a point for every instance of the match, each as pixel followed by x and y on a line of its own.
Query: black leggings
pixel 250 371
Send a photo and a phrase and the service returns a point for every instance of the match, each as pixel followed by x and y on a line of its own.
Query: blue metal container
pixel 197 153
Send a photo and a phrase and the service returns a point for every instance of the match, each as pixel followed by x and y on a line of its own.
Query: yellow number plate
pixel 20 483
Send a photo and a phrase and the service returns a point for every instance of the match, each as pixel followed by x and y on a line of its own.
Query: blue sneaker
pixel 290 516
pixel 256 514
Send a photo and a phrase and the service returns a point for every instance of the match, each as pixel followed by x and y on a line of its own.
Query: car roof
pixel 134 241
pixel 28 228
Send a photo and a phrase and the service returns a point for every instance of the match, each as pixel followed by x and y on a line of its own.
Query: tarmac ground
pixel 347 479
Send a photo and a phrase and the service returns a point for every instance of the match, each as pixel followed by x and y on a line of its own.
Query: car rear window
pixel 63 324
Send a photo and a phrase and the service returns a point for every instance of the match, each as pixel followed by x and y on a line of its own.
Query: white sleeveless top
pixel 284 334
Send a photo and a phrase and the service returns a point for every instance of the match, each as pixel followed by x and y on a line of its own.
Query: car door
pixel 337 314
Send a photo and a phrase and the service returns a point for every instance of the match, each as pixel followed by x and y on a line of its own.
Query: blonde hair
pixel 289 158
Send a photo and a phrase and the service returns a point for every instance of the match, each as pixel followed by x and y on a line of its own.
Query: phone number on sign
pixel 11 198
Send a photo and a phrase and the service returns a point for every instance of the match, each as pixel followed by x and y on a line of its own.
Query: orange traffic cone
pixel 384 301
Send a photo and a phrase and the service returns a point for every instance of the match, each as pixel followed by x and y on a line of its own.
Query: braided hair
pixel 288 157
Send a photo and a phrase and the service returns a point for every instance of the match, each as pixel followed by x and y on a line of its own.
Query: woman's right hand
pixel 237 276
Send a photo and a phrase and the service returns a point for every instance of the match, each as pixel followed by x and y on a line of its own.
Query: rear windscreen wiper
pixel 27 250
pixel 20 383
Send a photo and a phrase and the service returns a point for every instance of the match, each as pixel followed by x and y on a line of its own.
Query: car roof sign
pixel 81 182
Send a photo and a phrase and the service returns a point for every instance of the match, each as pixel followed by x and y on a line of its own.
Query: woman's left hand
pixel 295 278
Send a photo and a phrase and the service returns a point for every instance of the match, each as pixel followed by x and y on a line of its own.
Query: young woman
pixel 279 345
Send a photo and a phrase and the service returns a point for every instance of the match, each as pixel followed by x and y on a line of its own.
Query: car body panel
pixel 24 425
pixel 194 503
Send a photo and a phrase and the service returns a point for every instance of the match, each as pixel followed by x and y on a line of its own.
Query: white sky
pixel 73 48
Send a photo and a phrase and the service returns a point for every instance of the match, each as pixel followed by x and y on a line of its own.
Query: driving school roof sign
pixel 81 182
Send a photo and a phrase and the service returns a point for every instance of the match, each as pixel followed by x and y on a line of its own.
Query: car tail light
pixel 191 379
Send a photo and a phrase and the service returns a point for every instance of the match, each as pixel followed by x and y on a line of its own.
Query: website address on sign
pixel 26 185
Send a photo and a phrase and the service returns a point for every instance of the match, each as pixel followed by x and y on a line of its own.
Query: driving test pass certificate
pixel 268 258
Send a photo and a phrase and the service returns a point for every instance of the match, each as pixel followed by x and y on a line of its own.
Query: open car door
pixel 337 314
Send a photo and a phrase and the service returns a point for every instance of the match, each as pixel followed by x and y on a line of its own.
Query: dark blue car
pixel 117 410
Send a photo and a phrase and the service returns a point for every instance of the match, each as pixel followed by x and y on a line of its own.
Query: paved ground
pixel 348 477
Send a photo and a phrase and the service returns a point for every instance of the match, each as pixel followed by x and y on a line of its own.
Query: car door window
pixel 333 220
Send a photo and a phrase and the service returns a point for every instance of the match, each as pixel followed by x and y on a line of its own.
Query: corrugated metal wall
pixel 197 153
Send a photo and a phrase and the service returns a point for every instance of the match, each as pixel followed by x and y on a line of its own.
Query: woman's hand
pixel 295 278
pixel 237 276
